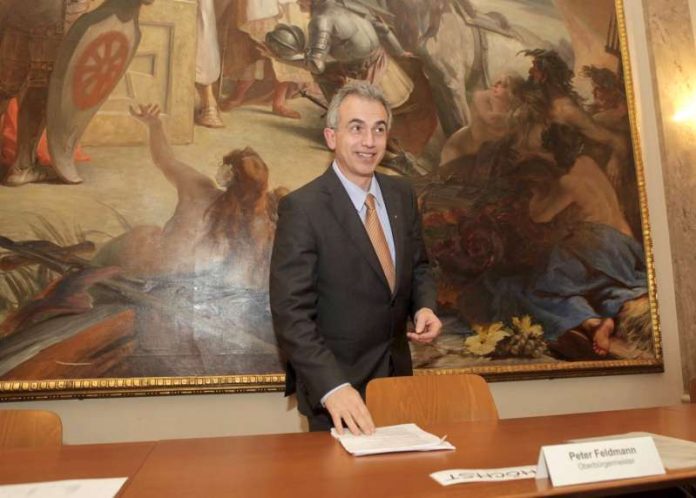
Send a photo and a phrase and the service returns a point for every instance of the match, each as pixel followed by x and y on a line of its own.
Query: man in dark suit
pixel 348 269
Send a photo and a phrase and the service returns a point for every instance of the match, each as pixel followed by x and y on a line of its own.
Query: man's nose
pixel 368 137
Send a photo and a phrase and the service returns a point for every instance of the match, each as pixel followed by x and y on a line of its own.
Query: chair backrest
pixel 30 429
pixel 692 391
pixel 428 399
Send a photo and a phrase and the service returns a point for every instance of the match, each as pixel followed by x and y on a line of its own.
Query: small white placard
pixel 459 476
pixel 74 488
pixel 595 461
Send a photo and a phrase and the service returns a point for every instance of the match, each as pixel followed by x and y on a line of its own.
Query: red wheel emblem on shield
pixel 99 68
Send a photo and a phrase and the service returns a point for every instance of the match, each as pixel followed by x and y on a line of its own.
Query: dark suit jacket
pixel 335 318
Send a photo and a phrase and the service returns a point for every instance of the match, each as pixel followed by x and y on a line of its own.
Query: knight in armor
pixel 30 34
pixel 348 40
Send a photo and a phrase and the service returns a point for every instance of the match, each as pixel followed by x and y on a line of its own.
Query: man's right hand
pixel 346 405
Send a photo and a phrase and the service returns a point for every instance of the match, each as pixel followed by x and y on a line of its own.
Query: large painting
pixel 146 144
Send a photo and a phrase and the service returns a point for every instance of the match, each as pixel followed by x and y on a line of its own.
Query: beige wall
pixel 671 41
pixel 98 420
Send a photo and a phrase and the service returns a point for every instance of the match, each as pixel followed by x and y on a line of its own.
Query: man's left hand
pixel 427 326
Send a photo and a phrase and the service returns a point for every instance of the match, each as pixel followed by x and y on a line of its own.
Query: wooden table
pixel 73 462
pixel 308 465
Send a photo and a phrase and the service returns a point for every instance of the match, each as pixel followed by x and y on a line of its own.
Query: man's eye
pixel 381 130
pixel 355 128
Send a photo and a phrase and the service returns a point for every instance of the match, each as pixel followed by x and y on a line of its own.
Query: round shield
pixel 91 60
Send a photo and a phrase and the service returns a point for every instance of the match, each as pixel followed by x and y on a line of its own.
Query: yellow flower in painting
pixel 486 339
pixel 525 326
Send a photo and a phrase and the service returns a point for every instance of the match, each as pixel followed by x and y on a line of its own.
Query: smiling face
pixel 360 138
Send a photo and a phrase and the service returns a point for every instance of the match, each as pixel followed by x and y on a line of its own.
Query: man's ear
pixel 330 138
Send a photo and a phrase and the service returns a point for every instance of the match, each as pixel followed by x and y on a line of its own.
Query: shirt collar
pixel 356 194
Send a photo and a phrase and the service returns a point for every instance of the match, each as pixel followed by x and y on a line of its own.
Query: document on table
pixel 392 439
pixel 674 453
pixel 75 488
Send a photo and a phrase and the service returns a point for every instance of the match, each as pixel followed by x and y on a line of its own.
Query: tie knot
pixel 370 201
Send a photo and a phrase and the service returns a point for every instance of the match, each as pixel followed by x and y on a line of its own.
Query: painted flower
pixel 486 338
pixel 525 326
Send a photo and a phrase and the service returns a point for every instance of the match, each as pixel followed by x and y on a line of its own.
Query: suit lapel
pixel 395 211
pixel 349 220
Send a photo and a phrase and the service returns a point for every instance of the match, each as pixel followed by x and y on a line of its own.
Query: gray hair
pixel 361 89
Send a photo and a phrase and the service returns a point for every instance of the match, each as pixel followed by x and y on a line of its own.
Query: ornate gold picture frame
pixel 126 270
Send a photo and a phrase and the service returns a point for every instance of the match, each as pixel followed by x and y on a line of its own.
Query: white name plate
pixel 459 476
pixel 596 461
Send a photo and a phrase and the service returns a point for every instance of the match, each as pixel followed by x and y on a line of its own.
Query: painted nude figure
pixel 551 98
pixel 228 231
pixel 490 112
pixel 597 266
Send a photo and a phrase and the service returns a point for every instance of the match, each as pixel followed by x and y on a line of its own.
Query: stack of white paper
pixel 392 439
pixel 675 453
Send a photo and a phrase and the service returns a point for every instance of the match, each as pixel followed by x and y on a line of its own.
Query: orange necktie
pixel 379 241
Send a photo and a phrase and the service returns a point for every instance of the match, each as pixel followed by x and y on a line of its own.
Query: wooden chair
pixel 428 399
pixel 30 429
